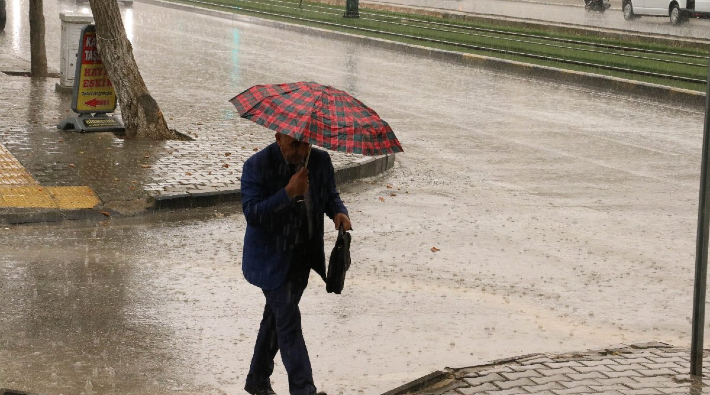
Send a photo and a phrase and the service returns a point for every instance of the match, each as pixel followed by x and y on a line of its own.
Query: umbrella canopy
pixel 318 114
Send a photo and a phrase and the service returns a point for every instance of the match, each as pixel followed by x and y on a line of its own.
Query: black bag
pixel 339 263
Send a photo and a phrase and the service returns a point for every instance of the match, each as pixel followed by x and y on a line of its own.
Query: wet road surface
pixel 525 216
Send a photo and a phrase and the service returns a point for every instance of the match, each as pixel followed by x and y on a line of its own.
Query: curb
pixel 418 384
pixel 606 83
pixel 5 391
pixel 18 216
pixel 367 167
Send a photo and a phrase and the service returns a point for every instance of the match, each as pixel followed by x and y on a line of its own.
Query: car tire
pixel 675 16
pixel 3 15
pixel 628 11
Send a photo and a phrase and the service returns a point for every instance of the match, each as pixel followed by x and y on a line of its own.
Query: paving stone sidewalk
pixel 131 176
pixel 637 369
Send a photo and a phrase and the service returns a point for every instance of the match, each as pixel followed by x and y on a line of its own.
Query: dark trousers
pixel 281 330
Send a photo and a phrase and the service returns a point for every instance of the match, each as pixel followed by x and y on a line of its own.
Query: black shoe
pixel 254 390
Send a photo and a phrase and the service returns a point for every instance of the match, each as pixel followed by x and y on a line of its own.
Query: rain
pixel 524 216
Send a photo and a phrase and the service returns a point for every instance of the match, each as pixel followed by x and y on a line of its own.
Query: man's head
pixel 293 150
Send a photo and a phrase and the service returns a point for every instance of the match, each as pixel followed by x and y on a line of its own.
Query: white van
pixel 677 10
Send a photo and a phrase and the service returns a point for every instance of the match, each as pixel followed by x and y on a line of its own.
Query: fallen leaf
pixel 255 149
pixel 106 213
pixel 188 174
pixel 226 166
pixel 389 186
pixel 227 153
pixel 382 199
pixel 71 165
pixel 393 194
pixel 434 249
pixel 145 166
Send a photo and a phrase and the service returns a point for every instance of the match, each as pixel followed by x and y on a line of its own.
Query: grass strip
pixel 468 37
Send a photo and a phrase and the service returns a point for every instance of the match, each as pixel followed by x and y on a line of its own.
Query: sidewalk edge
pixel 21 216
pixel 420 383
pixel 368 167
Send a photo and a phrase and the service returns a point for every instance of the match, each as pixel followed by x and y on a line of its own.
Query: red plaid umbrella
pixel 320 115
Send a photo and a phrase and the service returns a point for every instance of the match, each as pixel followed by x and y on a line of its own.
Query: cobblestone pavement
pixel 638 369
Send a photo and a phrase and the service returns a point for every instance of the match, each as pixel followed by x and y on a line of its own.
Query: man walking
pixel 284 203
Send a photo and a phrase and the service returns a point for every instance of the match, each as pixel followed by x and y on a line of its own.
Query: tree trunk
pixel 140 112
pixel 38 52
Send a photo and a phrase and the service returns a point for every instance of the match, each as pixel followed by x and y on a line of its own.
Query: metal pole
pixel 701 251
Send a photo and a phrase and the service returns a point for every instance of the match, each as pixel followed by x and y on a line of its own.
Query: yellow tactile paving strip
pixel 12 172
pixel 18 189
pixel 74 197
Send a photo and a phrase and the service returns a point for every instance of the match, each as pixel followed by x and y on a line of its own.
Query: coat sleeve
pixel 334 205
pixel 259 208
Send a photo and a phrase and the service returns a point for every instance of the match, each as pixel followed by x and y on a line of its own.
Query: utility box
pixel 72 23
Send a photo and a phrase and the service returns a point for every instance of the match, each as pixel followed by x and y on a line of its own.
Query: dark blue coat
pixel 272 217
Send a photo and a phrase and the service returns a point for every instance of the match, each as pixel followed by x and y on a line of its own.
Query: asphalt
pixel 136 176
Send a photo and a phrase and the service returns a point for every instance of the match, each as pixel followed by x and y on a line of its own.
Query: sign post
pixel 93 96
pixel 701 249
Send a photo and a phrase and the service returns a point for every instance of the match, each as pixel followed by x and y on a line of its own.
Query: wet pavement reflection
pixel 100 314
pixel 526 216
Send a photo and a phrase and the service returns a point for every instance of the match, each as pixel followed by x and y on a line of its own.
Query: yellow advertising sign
pixel 93 91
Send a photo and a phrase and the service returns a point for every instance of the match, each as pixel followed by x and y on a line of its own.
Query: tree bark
pixel 38 52
pixel 141 114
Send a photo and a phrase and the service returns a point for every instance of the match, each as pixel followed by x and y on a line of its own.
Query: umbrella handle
pixel 301 199
pixel 308 156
